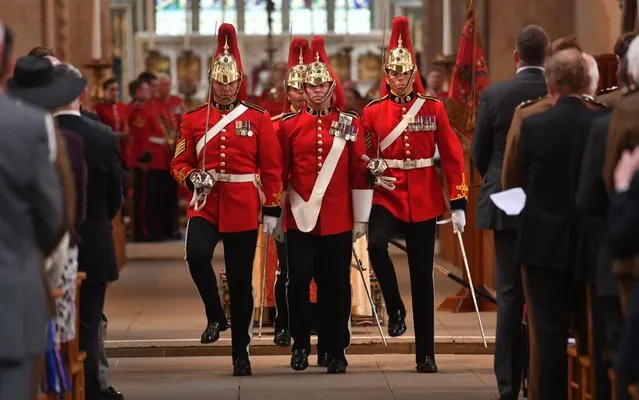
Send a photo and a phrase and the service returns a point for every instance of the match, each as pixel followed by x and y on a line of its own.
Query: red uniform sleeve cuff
pixel 459 204
pixel 272 211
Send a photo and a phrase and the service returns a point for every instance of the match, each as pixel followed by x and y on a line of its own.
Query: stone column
pixel 26 20
pixel 597 31
pixel 507 17
pixel 432 32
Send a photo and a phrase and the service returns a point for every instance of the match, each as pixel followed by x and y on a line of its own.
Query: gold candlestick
pixel 98 69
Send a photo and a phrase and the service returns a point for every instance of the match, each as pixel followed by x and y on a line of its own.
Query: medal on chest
pixel 343 128
pixel 243 128
pixel 421 123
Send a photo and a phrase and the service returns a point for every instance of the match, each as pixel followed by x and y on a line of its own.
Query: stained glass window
pixel 352 16
pixel 170 17
pixel 256 17
pixel 308 16
pixel 214 12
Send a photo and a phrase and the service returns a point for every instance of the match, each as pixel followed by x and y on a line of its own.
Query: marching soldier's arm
pixel 369 126
pixel 185 158
pixel 452 158
pixel 361 191
pixel 283 136
pixel 510 173
pixel 270 167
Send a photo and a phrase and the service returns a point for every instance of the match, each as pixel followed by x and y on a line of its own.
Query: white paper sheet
pixel 511 201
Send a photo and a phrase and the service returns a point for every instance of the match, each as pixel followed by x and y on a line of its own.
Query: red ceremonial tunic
pixel 305 142
pixel 232 206
pixel 116 116
pixel 418 192
pixel 176 106
pixel 147 135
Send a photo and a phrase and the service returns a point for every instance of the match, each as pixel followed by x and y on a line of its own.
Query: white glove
pixel 278 233
pixel 387 182
pixel 359 230
pixel 269 224
pixel 459 220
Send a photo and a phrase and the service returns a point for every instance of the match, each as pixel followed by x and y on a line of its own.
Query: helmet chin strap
pixel 409 85
pixel 312 103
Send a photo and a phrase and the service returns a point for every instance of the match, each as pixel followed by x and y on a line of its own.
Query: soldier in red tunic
pixel 402 129
pixel 234 140
pixel 115 114
pixel 150 157
pixel 161 108
pixel 295 101
pixel 322 149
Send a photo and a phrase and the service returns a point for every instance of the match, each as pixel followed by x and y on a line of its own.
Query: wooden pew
pixel 581 367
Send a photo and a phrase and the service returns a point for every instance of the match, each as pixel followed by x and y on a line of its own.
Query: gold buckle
pixel 410 164
pixel 224 177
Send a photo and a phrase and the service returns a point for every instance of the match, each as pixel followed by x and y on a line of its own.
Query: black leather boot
pixel 426 366
pixel 242 367
pixel 299 359
pixel 212 332
pixel 282 338
pixel 323 360
pixel 337 366
pixel 397 323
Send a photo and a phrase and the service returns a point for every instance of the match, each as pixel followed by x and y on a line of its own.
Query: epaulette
pixel 591 100
pixel 527 103
pixel 351 113
pixel 629 89
pixel 278 116
pixel 376 101
pixel 607 90
pixel 254 106
pixel 427 97
pixel 290 115
pixel 190 110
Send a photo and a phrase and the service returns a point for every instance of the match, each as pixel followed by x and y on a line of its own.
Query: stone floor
pixel 156 305
pixel 369 377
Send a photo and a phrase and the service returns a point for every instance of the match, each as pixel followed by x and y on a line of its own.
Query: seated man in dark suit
pixel 549 148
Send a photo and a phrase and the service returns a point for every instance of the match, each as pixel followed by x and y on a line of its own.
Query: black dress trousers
pixel 420 243
pixel 327 259
pixel 239 251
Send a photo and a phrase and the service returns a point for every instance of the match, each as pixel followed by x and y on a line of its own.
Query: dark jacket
pixel 624 221
pixel 75 152
pixel 592 200
pixel 104 197
pixel 494 115
pixel 550 152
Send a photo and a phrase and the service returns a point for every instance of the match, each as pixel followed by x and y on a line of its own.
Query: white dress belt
pixel 232 178
pixel 157 140
pixel 410 164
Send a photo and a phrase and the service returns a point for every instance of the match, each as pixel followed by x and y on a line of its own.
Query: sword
pixel 199 199
pixel 263 289
pixel 472 287
pixel 370 298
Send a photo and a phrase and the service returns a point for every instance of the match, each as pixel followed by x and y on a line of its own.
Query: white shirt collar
pixel 67 112
pixel 530 67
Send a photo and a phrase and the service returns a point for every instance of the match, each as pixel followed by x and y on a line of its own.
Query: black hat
pixel 35 83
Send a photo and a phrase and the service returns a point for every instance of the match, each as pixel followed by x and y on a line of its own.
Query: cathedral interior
pixel 150 334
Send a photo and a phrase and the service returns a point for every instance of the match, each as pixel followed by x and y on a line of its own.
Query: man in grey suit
pixel 31 225
pixel 494 115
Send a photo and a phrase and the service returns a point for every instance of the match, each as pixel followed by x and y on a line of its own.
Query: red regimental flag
pixel 470 78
